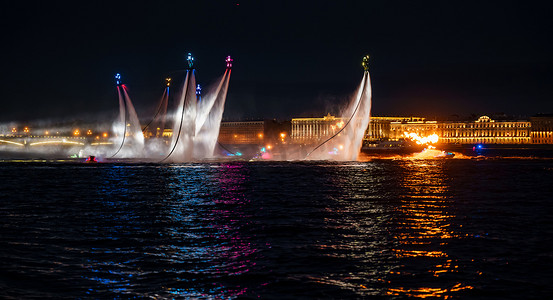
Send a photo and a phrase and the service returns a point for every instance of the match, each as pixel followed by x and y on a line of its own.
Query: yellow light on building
pixel 105 134
pixel 260 135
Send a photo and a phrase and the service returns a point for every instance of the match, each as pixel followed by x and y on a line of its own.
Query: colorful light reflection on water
pixel 424 230
pixel 385 228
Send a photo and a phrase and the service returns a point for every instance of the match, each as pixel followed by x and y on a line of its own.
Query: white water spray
pixel 196 124
pixel 129 139
pixel 347 142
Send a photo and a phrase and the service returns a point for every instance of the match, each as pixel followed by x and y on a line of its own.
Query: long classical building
pixel 539 130
pixel 310 130
pixel 486 131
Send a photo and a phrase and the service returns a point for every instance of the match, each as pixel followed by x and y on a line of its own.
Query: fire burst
pixel 431 139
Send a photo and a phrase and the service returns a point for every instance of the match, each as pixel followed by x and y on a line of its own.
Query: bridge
pixel 37 141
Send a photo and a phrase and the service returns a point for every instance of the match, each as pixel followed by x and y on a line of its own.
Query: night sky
pixel 292 58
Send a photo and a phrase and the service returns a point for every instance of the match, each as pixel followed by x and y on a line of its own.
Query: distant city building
pixel 421 127
pixel 542 129
pixel 245 132
pixel 380 128
pixel 485 131
pixel 254 132
pixel 311 130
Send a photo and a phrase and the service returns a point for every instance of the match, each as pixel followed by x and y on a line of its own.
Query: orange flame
pixel 431 139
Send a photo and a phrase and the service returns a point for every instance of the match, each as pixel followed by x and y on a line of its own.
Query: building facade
pixel 243 132
pixel 485 131
pixel 386 128
pixel 542 129
pixel 312 130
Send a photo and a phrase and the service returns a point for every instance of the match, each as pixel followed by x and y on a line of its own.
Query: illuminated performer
pixel 365 63
pixel 190 61
pixel 118 79
pixel 229 62
pixel 198 92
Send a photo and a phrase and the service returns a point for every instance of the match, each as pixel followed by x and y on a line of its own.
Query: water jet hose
pixel 181 119
pixel 352 115
pixel 158 110
pixel 124 124
pixel 225 148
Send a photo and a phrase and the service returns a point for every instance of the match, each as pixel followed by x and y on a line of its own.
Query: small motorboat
pixel 446 155
pixel 91 159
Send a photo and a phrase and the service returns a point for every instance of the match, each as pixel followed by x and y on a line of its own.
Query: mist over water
pixel 346 145
pixel 129 140
pixel 196 123
pixel 210 114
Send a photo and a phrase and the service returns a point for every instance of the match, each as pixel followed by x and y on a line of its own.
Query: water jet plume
pixel 184 122
pixel 345 144
pixel 208 133
pixel 132 139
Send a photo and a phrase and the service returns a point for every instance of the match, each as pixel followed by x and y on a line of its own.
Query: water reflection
pixel 356 229
pixel 424 229
pixel 176 229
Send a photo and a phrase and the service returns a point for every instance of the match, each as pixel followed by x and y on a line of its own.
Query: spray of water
pixel 127 128
pixel 346 143
pixel 196 124
pixel 208 133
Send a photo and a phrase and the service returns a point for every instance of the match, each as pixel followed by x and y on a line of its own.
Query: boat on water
pixel 91 159
pixel 446 155
pixel 391 147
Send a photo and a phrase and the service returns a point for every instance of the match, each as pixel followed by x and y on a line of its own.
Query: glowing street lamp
pixel 229 61
pixel 190 60
pixel 365 63
pixel 168 81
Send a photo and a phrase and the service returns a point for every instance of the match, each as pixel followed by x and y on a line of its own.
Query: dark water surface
pixel 384 228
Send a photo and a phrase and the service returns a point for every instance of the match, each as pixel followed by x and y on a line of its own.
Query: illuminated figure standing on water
pixel 346 143
pixel 365 63
pixel 199 92
pixel 118 79
pixel 229 62
pixel 190 61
